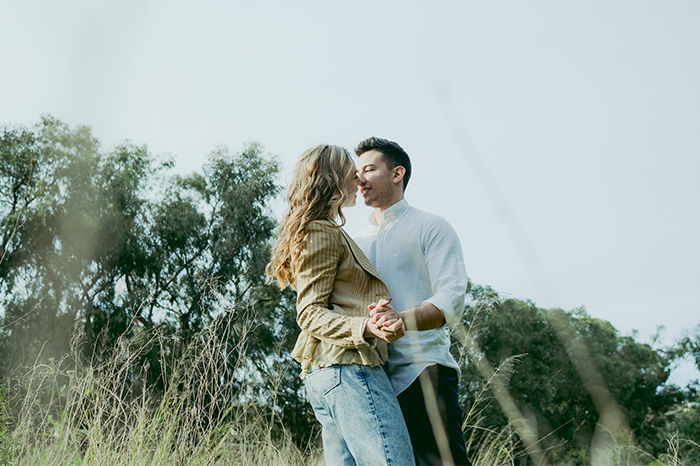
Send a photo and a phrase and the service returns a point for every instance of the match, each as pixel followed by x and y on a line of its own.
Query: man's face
pixel 375 180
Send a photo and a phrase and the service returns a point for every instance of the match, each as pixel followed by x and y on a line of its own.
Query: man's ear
pixel 399 172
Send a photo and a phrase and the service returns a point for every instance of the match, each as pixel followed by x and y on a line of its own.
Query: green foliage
pixel 690 346
pixel 90 417
pixel 8 447
pixel 108 244
pixel 551 381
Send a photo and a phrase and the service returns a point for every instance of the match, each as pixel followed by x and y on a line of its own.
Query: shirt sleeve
pixel 448 275
pixel 315 276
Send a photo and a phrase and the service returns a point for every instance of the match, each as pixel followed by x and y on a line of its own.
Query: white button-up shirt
pixel 419 257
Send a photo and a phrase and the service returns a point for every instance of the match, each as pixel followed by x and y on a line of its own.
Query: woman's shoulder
pixel 324 226
pixel 322 233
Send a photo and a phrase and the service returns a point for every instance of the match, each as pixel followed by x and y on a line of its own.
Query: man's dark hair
pixel 394 155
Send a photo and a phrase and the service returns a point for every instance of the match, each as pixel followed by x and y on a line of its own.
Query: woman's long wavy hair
pixel 317 191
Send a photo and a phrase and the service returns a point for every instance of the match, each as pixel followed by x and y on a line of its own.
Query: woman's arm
pixel 314 280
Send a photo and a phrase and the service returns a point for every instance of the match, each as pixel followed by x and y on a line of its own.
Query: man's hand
pixel 384 322
pixel 383 313
pixel 423 317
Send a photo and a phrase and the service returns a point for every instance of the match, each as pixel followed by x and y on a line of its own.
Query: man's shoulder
pixel 421 213
pixel 364 237
pixel 426 218
pixel 367 230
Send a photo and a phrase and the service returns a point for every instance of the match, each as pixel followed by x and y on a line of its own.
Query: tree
pixel 55 267
pixel 683 421
pixel 546 382
pixel 110 245
pixel 690 346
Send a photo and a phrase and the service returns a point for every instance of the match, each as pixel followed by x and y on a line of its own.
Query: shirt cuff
pixel 357 333
pixel 446 308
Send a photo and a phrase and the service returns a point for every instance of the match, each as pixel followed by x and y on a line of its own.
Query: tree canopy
pixel 110 244
pixel 562 363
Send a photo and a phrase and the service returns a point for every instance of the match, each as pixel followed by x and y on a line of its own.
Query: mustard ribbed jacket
pixel 335 282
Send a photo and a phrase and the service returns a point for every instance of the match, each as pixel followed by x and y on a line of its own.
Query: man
pixel 419 257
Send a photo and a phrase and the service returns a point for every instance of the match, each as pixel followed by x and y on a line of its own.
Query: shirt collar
pixel 392 212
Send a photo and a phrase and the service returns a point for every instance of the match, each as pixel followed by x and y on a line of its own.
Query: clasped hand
pixel 384 321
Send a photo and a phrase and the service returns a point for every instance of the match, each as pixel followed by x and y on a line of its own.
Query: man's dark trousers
pixel 443 382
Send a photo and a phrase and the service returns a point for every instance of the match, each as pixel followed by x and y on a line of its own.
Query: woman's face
pixel 351 190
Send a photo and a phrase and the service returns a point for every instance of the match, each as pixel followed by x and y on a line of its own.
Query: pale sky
pixel 560 139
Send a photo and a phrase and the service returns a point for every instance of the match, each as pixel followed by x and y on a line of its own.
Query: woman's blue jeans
pixel 361 419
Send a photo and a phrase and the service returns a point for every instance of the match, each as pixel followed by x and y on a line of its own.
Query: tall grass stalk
pixel 104 413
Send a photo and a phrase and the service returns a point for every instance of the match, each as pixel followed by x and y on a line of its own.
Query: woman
pixel 340 350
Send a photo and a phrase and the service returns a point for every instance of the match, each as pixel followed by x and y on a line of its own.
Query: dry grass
pixel 103 413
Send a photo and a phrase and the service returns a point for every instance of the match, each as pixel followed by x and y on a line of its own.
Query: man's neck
pixel 378 215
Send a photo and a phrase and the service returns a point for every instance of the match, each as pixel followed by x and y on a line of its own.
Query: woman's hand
pixel 385 322
pixel 388 334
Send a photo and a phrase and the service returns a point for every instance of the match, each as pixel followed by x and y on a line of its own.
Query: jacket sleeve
pixel 315 275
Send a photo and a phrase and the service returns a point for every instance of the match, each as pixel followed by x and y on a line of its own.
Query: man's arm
pixel 448 275
pixel 448 279
pixel 423 317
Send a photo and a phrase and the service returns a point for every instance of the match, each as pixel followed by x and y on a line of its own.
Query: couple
pixel 402 285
